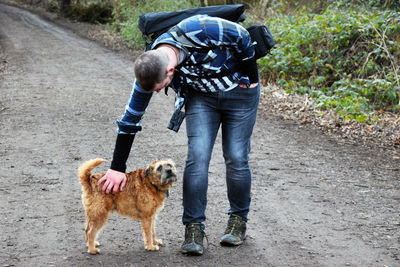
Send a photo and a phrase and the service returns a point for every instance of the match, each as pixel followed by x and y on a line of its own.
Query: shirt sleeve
pixel 130 122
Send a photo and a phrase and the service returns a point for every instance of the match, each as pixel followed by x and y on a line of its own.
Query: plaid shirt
pixel 228 43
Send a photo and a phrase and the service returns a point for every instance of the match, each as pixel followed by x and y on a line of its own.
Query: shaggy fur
pixel 141 199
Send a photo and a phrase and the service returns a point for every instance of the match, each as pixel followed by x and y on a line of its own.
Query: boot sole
pixel 192 253
pixel 230 243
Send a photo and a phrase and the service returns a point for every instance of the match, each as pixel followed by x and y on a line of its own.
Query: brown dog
pixel 141 199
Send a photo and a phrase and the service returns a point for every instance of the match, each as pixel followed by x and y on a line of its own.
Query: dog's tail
pixel 85 171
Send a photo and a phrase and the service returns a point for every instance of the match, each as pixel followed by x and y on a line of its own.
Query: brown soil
pixel 318 199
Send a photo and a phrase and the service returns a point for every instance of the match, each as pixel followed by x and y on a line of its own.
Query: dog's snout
pixel 169 171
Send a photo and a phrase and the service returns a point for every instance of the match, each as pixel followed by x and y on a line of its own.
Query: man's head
pixel 151 70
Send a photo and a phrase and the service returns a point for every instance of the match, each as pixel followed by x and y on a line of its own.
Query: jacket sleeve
pixel 134 111
pixel 129 125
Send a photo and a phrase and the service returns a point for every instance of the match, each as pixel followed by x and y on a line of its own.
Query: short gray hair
pixel 151 68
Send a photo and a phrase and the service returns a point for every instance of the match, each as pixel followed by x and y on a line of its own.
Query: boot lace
pixel 235 226
pixel 194 234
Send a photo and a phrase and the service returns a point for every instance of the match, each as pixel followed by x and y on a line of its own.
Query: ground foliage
pixel 346 60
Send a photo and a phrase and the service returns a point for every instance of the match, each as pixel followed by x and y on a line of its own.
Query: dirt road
pixel 315 202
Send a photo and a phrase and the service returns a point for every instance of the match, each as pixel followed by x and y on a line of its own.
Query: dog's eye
pixel 159 168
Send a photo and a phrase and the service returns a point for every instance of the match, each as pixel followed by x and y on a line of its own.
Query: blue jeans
pixel 235 111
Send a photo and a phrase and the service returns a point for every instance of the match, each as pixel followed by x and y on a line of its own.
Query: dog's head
pixel 162 173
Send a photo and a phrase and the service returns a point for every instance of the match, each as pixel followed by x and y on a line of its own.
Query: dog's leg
pixel 147 224
pixel 96 243
pixel 86 231
pixel 153 232
pixel 92 229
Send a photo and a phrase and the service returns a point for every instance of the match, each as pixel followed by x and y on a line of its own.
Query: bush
pixel 126 14
pixel 95 12
pixel 382 4
pixel 346 60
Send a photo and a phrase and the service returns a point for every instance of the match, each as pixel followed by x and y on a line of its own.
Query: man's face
pixel 164 83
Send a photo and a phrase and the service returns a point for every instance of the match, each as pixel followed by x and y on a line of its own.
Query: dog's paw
pixel 96 244
pixel 158 242
pixel 94 251
pixel 152 247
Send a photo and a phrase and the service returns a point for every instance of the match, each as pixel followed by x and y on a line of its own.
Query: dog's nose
pixel 169 171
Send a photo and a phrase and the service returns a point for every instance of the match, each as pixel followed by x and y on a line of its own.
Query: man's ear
pixel 171 69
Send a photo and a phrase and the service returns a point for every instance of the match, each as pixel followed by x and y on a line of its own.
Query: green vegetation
pixel 94 12
pixel 345 54
pixel 126 14
pixel 346 60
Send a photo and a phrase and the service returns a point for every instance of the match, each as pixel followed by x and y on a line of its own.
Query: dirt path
pixel 315 202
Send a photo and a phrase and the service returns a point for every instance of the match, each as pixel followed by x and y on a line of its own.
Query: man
pixel 219 79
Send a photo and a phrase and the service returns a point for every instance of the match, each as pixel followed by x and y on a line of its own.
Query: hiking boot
pixel 193 244
pixel 235 232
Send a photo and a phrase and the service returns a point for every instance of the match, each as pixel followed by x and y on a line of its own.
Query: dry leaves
pixel 384 133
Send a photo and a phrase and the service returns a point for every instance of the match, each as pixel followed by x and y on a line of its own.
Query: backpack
pixel 264 39
pixel 154 24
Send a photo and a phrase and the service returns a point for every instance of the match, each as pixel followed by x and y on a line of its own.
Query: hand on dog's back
pixel 113 179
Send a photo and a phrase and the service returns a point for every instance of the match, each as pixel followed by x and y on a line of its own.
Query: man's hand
pixel 251 85
pixel 112 179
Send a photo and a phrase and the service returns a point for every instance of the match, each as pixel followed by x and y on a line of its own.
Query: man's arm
pixel 128 126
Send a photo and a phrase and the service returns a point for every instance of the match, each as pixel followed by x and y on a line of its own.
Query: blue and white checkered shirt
pixel 229 44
